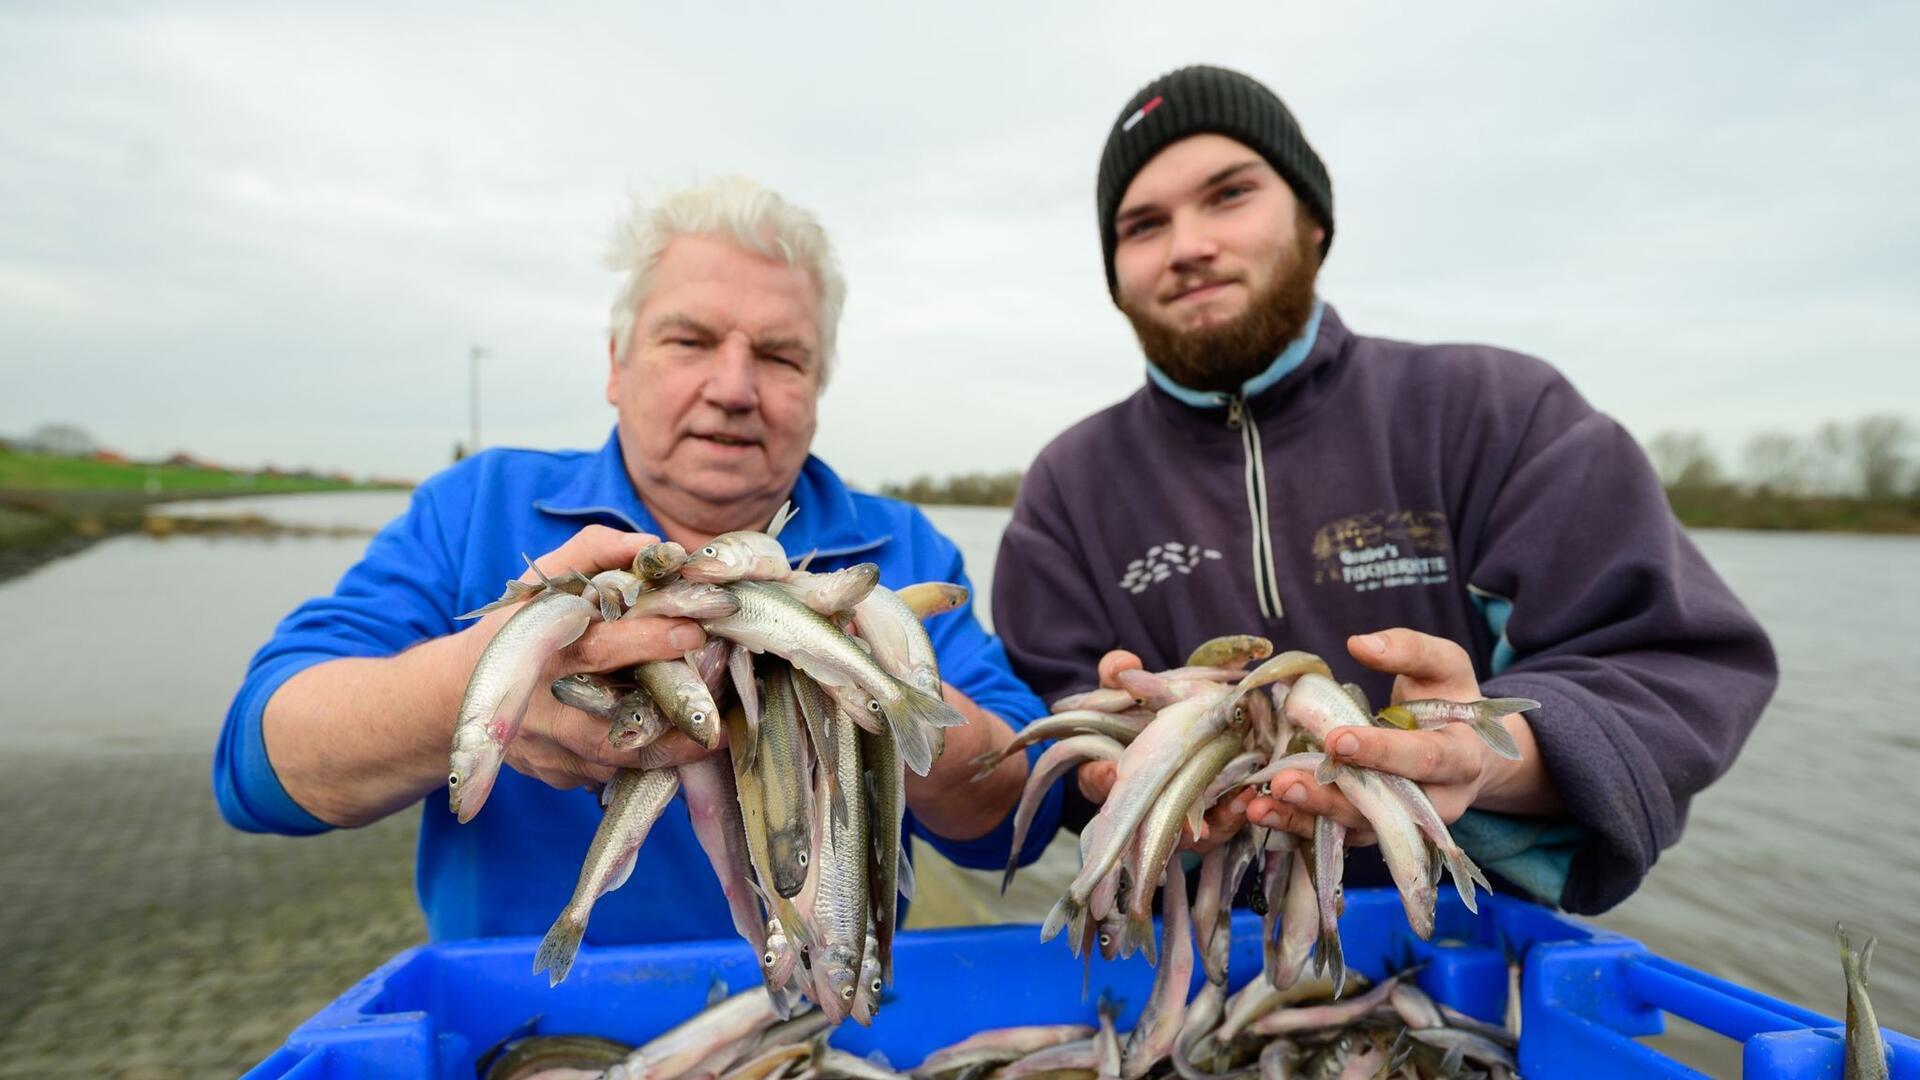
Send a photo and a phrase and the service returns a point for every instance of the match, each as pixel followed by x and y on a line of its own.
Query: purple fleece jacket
pixel 1463 491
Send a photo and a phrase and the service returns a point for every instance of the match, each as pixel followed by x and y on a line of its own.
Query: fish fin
pixel 911 714
pixel 781 517
pixel 609 604
pixel 1064 909
pixel 988 762
pixel 557 950
pixel 516 591
pixel 1328 771
pixel 1270 950
pixel 1197 819
pixel 1139 933
pixel 1327 957
pixel 1086 969
pixel 626 870
pixel 716 992
pixel 807 560
pixel 905 874
pixel 544 579
pixel 1497 737
pixel 1465 873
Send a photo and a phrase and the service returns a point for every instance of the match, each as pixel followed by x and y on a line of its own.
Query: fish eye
pixel 710 551
pixel 1106 940
pixel 874 986
pixel 803 858
pixel 873 705
pixel 770 959
pixel 453 779
pixel 698 718
pixel 847 993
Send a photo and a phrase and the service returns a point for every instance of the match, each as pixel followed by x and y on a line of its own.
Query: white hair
pixel 732 208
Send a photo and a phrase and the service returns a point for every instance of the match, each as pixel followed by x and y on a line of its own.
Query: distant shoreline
pixel 38 527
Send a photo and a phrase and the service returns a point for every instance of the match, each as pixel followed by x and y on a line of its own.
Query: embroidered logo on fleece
pixel 1161 562
pixel 1386 549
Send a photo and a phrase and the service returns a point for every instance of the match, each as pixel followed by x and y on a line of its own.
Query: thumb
pixel 1400 651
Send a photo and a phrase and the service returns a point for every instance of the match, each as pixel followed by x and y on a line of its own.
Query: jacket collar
pixel 1290 358
pixel 827 524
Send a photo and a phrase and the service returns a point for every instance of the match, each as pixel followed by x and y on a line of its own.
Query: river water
pixel 1815 822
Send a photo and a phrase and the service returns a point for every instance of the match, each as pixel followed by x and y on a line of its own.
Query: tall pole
pixel 473 398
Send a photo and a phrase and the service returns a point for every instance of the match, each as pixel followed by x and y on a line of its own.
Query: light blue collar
pixel 1290 358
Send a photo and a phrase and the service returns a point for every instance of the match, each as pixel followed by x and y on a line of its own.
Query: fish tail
pixel 1064 910
pixel 558 949
pixel 1465 873
pixel 1139 934
pixel 1327 957
pixel 1013 863
pixel 912 715
pixel 1854 963
pixel 988 762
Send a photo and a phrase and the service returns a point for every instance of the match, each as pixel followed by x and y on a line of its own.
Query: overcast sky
pixel 272 236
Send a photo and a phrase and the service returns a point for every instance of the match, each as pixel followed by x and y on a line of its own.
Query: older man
pixel 722 338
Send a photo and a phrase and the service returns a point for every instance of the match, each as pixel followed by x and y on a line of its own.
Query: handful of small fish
pixel 832 691
pixel 1189 738
pixel 1392 1029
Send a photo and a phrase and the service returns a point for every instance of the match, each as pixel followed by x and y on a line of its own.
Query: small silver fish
pixel 499 690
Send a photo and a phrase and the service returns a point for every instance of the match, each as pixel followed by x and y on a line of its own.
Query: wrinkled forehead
pixel 724 286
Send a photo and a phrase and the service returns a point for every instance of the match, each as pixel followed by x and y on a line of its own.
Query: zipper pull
pixel 1233 412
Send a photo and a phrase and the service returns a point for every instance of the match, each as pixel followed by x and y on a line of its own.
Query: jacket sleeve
pixel 973 662
pixel 1650 673
pixel 401 592
pixel 1047 608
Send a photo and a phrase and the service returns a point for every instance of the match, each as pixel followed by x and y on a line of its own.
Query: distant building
pixel 110 457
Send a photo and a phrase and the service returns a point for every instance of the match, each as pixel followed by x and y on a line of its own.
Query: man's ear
pixel 613 372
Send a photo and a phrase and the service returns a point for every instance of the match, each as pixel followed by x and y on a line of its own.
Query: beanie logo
pixel 1140 113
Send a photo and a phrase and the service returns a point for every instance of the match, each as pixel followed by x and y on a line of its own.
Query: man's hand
pixel 948 800
pixel 1452 763
pixel 1097 777
pixel 564 747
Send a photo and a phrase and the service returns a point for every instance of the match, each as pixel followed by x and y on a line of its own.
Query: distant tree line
pixel 972 489
pixel 1858 476
pixel 1863 476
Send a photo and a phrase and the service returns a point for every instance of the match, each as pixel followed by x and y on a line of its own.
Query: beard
pixel 1222 358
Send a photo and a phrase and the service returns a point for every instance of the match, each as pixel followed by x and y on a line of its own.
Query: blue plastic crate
pixel 1586 995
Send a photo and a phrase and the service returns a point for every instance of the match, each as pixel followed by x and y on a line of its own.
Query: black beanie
pixel 1199 99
